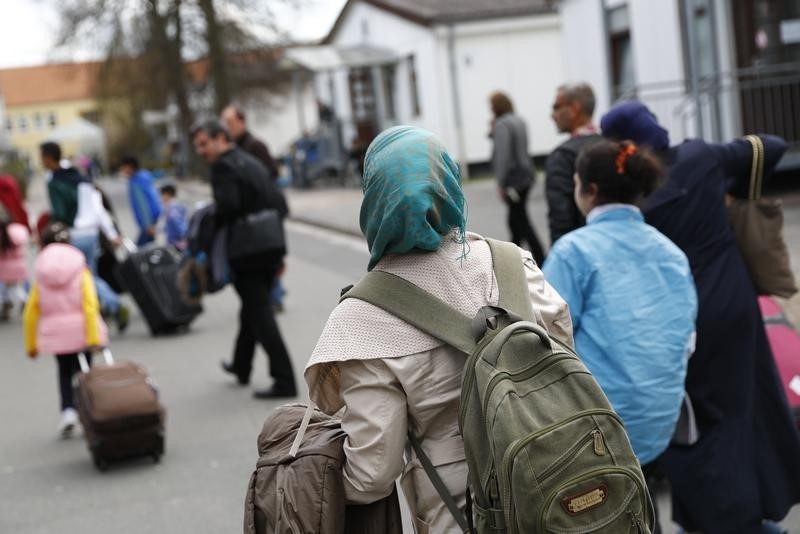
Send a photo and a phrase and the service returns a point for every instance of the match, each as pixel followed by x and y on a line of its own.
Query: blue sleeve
pixel 562 271
pixel 736 159
pixel 155 202
pixel 138 205
pixel 176 225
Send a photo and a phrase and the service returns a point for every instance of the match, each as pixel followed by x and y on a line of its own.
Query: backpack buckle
pixel 344 290
pixel 488 318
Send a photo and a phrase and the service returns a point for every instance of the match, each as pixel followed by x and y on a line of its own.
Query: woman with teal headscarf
pixel 390 376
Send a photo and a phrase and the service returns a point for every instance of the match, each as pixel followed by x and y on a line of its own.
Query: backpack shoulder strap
pixel 511 280
pixel 415 306
pixel 439 484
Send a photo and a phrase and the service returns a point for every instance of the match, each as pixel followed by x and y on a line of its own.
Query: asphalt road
pixel 48 485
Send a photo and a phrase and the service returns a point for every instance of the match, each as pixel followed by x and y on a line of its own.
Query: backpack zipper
pixel 605 471
pixel 545 364
pixel 575 449
pixel 469 376
pixel 469 379
pixel 518 445
pixel 637 522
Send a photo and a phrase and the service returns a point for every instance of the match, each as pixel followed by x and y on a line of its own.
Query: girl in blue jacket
pixel 630 293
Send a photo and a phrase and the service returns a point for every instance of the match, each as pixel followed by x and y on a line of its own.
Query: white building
pixel 434 63
pixel 715 69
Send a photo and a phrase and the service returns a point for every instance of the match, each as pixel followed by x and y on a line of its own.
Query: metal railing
pixel 728 104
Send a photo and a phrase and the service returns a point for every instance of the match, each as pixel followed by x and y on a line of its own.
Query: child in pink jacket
pixel 13 266
pixel 62 315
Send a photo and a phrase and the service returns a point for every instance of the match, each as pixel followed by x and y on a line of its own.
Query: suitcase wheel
pixel 156 456
pixel 100 463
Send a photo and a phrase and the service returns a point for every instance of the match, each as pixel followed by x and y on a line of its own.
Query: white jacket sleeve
pixel 550 309
pixel 105 220
pixel 376 423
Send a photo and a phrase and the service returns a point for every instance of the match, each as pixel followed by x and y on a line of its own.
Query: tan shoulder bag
pixel 758 225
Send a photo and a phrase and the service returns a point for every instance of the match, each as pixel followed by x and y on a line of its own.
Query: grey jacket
pixel 510 160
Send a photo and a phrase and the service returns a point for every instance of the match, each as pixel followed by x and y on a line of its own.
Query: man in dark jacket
pixel 572 113
pixel 240 188
pixel 234 119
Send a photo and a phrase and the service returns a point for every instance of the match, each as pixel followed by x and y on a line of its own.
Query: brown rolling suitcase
pixel 119 410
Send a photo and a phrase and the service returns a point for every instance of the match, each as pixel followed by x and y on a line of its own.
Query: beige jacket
pixel 392 377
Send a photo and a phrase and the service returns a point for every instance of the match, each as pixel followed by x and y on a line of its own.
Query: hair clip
pixel 622 156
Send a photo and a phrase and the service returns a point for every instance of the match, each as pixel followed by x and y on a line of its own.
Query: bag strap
pixel 511 280
pixel 438 483
pixel 419 308
pixel 415 306
pixel 757 167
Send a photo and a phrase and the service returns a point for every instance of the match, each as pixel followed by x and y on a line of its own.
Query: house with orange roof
pixel 48 101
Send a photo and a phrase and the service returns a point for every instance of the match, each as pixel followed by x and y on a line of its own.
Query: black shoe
pixel 276 391
pixel 229 368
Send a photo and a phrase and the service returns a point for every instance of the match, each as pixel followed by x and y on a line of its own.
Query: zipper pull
pixel 599 446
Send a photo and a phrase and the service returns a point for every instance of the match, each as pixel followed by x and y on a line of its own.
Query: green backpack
pixel 545 450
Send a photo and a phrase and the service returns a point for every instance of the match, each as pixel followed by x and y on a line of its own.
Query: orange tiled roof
pixel 48 83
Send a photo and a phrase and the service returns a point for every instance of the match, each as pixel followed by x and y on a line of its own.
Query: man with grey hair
pixel 572 113
pixel 241 190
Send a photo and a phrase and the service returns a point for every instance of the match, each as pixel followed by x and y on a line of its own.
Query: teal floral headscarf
pixel 412 194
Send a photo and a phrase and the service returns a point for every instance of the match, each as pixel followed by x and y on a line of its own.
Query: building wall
pixel 585 45
pixel 366 24
pixel 659 60
pixel 278 117
pixel 27 142
pixel 522 57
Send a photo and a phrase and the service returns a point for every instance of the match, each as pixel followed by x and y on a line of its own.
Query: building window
pixel 22 124
pixel 52 119
pixel 9 125
pixel 388 76
pixel 38 122
pixel 623 76
pixel 91 116
pixel 412 81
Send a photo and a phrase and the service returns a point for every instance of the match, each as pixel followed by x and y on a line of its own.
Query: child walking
pixel 13 266
pixel 175 222
pixel 630 293
pixel 62 315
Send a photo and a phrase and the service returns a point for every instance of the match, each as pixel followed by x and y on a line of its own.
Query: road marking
pixel 329 236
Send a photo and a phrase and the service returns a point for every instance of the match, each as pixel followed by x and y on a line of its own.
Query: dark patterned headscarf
pixel 412 194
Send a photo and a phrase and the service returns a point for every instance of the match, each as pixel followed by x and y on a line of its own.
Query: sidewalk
pixel 338 209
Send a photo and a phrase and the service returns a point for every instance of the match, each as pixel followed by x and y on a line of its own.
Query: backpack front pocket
pixel 605 500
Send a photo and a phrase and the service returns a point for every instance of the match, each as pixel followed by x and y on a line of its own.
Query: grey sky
pixel 28 28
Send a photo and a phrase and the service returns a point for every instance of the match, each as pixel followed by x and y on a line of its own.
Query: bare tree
pixel 147 44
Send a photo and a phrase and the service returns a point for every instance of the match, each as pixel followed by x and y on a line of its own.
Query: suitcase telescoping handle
pixel 109 358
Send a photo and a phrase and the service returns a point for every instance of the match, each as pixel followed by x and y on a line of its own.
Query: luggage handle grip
pixel 84 363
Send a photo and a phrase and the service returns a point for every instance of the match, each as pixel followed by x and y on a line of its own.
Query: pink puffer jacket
pixel 13 263
pixel 60 275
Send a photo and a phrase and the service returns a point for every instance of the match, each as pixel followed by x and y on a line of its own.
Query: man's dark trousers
pixel 253 278
pixel 521 226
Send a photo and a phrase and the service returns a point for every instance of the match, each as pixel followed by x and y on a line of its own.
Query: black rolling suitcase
pixel 151 277
pixel 120 412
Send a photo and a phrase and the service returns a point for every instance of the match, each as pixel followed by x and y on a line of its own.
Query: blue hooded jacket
pixel 633 304
pixel 144 199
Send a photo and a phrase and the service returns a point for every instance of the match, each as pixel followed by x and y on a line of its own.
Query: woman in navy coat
pixel 745 468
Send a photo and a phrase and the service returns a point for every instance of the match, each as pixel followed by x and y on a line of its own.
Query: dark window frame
pixel 413 81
